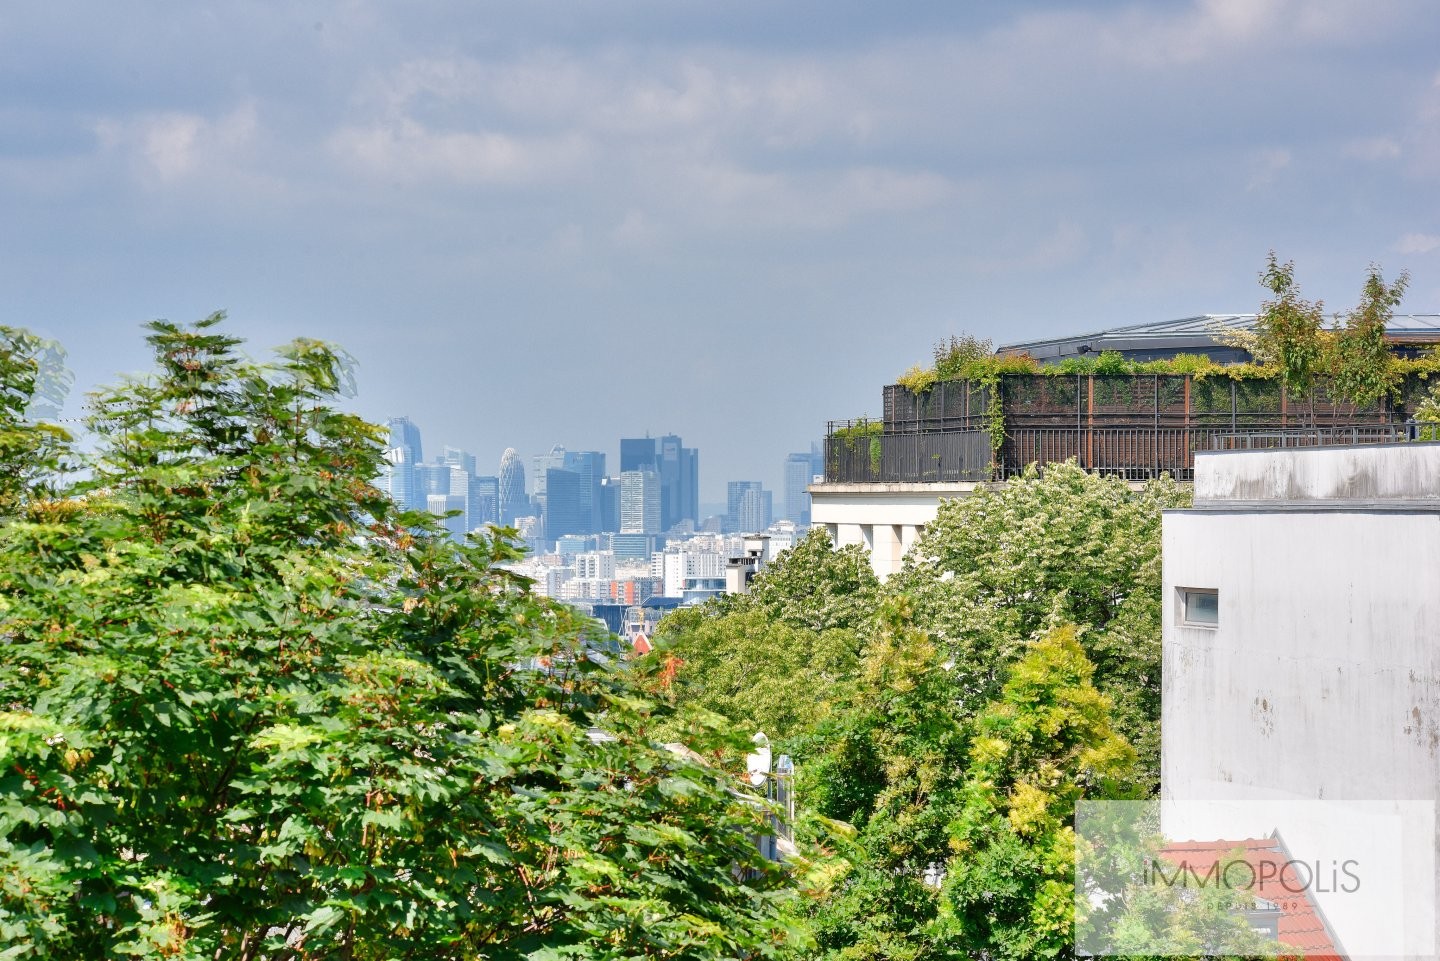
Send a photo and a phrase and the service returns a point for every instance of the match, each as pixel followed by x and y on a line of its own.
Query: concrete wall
pixel 886 519
pixel 1374 475
pixel 1322 678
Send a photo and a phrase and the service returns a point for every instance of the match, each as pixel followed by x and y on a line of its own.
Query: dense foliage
pixel 1009 669
pixel 779 658
pixel 999 567
pixel 248 710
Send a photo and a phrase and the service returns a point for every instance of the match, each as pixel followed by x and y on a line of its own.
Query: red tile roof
pixel 1301 923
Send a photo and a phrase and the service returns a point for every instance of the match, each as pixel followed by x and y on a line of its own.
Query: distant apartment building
pixel 595 565
pixel 749 506
pixel 569 545
pixel 690 572
pixel 782 535
pixel 633 547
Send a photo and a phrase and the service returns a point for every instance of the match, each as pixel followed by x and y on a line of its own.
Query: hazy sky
pixel 566 222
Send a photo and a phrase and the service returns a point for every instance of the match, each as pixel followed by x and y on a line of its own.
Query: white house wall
pixel 886 519
pixel 1321 679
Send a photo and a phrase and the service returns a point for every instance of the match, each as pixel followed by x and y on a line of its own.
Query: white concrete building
pixel 680 567
pixel 887 519
pixel 1302 633
pixel 595 565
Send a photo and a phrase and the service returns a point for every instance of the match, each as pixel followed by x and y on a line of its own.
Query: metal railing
pixel 1134 453
pixel 949 456
pixel 1325 436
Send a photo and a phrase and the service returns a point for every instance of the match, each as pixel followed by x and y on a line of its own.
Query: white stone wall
pixel 1321 680
pixel 886 518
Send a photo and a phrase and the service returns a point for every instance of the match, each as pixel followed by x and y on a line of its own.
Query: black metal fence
pixel 1326 437
pixel 948 456
pixel 1134 453
pixel 1135 400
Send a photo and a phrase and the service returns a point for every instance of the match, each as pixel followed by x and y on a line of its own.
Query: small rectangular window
pixel 1199 607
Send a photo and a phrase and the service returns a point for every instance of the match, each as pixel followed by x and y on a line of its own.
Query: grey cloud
pixel 504 208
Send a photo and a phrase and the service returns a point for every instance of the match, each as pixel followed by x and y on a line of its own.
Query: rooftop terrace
pixel 1135 426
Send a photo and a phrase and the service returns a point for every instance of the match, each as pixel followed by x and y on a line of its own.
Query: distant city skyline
pixel 712 489
pixel 569 494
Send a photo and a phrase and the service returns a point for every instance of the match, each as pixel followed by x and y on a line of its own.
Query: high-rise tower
pixel 678 468
pixel 799 472
pixel 513 501
pixel 639 502
pixel 402 458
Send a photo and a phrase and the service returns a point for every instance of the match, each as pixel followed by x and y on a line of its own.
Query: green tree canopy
pixel 249 710
pixel 1000 567
pixel 1045 743
pixel 760 674
pixel 812 585
pixel 892 765
pixel 1363 372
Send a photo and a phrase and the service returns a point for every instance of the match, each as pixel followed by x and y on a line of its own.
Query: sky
pixel 568 222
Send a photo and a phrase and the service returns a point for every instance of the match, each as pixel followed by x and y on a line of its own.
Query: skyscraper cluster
pixel 625 546
pixel 445 485
pixel 677 472
pixel 572 503
pixel 570 493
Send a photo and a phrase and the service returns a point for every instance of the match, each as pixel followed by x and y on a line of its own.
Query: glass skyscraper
pixel 639 502
pixel 514 502
pixel 678 469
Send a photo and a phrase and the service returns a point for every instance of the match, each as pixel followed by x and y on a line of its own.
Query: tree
pixel 1002 566
pixel 779 658
pixel 250 710
pixel 1363 369
pixel 1289 331
pixel 812 585
pixel 1428 415
pixel 1045 743
pixel 759 673
pixel 891 764
pixel 32 385
pixel 954 356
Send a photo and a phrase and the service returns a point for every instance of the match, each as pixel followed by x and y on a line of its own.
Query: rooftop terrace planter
pixel 1133 400
pixel 1131 425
